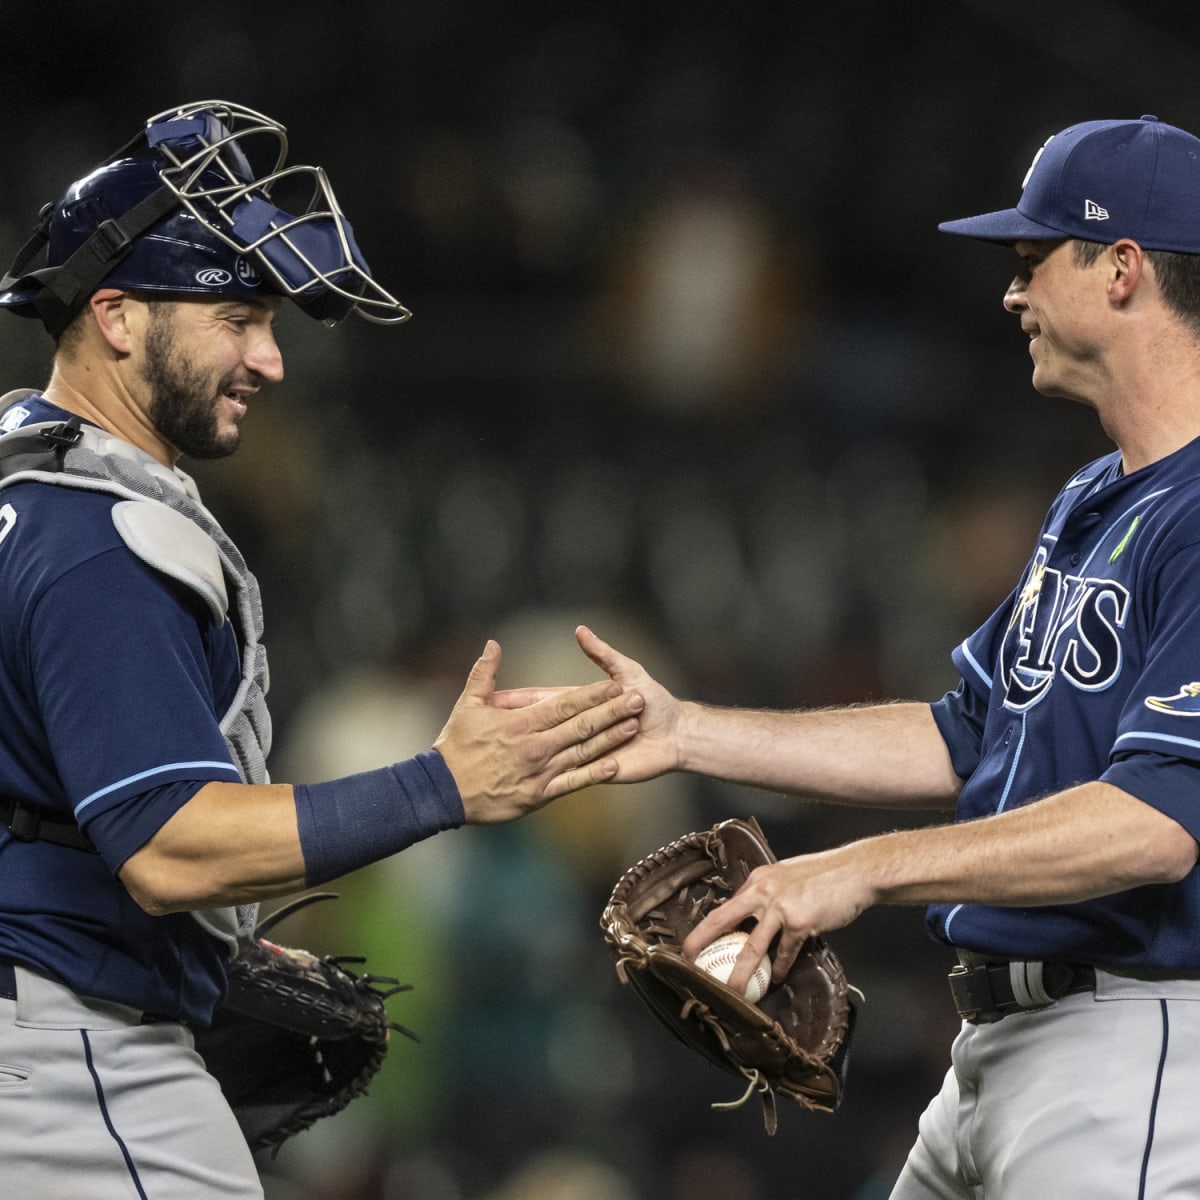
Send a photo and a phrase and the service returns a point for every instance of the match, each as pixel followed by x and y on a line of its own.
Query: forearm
pixel 230 844
pixel 238 843
pixel 889 755
pixel 1091 840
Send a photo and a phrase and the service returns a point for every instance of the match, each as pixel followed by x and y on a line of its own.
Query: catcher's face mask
pixel 189 205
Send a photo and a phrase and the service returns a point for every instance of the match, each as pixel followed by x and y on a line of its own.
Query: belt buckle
pixel 973 996
pixel 985 992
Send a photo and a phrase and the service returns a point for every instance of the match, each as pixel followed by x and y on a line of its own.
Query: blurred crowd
pixel 689 363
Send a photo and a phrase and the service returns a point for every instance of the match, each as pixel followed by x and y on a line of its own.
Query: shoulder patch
pixel 167 541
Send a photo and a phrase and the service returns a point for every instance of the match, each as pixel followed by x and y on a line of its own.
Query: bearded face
pixel 194 407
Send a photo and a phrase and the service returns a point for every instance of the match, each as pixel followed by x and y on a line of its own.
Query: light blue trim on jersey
pixel 1121 521
pixel 1170 738
pixel 975 666
pixel 950 919
pixel 112 787
pixel 1012 772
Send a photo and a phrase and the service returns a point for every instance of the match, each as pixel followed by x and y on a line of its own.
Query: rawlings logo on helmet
pixel 213 277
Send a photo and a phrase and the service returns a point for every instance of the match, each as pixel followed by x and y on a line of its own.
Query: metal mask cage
pixel 209 148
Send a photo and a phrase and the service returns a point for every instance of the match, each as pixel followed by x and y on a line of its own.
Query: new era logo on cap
pixel 1101 181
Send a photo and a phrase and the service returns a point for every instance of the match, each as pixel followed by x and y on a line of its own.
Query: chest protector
pixel 161 519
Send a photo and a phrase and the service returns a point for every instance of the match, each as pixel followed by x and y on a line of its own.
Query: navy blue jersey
pixel 111 679
pixel 1091 670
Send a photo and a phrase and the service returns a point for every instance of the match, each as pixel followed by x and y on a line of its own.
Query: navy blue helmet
pixel 182 210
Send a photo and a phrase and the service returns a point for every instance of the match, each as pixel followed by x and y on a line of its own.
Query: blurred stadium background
pixel 690 362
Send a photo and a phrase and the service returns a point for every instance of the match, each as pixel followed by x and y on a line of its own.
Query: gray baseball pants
pixel 1091 1099
pixel 94 1103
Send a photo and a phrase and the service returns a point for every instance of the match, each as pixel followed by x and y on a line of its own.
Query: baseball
pixel 717 958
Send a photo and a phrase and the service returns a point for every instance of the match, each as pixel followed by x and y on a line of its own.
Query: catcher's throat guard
pixel 795 1041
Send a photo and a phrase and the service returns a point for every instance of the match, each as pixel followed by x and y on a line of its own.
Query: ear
pixel 113 311
pixel 1126 263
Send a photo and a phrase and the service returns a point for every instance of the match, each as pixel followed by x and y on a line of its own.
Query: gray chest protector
pixel 161 519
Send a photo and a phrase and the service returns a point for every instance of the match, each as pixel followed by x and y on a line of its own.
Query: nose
pixel 263 356
pixel 1014 297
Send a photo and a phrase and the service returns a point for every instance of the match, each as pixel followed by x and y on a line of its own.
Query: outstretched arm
pixel 1090 840
pixel 233 843
pixel 888 755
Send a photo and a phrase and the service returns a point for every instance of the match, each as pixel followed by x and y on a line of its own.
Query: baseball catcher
pixel 139 824
pixel 795 1041
pixel 297 1037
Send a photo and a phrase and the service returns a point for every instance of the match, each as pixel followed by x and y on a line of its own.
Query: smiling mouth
pixel 237 402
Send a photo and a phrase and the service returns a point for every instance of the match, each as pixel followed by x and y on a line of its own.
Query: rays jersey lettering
pixel 1063 627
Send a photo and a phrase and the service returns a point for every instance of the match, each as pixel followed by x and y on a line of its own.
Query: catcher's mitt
pixel 795 1041
pixel 297 1037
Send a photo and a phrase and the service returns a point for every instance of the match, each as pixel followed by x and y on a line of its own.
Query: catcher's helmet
pixel 182 210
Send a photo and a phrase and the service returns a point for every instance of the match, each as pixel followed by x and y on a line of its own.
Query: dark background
pixel 691 362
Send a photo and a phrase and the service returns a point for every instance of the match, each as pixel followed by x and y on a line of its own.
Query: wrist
pixel 698 735
pixel 347 823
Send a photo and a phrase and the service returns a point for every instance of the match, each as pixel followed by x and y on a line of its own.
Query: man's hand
pixel 509 759
pixel 789 901
pixel 654 749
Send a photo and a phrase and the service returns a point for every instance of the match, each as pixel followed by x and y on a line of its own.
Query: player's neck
pixel 1150 404
pixel 96 392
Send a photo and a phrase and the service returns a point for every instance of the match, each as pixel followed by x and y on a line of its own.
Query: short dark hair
pixel 70 337
pixel 1178 278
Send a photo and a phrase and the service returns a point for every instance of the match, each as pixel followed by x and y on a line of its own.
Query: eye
pixel 1029 257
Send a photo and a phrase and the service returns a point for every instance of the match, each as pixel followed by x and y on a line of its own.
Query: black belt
pixel 988 991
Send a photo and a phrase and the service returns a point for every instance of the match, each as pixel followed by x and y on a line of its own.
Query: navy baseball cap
pixel 1100 181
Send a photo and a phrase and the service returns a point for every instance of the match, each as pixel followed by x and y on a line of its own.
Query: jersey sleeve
pixel 127 669
pixel 1162 713
pixel 1164 782
pixel 1156 753
pixel 960 715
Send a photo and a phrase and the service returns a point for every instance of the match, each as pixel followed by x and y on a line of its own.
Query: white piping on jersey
pixel 964 647
pixel 986 678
